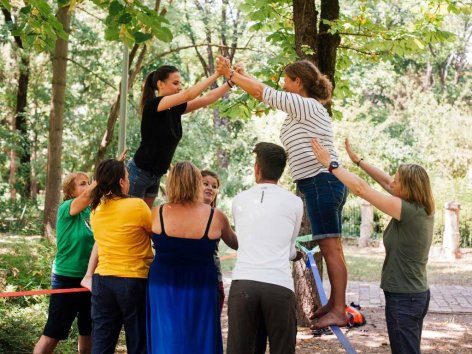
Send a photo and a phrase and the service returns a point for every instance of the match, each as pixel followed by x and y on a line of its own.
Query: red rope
pixel 65 291
pixel 43 292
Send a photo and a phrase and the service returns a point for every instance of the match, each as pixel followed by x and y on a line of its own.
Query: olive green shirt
pixel 407 244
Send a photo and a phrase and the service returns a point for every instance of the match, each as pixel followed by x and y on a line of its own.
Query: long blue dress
pixel 182 297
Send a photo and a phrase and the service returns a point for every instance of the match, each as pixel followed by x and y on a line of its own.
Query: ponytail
pixel 316 85
pixel 108 175
pixel 148 91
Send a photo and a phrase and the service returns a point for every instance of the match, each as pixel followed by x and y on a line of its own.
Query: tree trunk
pixel 367 223
pixel 19 124
pixel 428 79
pixel 324 46
pixel 12 172
pixel 451 236
pixel 305 287
pixel 327 44
pixel 54 166
pixel 304 22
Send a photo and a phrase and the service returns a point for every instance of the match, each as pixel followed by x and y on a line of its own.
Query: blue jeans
pixel 116 302
pixel 404 314
pixel 324 196
pixel 141 182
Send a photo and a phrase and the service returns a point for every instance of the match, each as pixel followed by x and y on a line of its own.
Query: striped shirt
pixel 306 119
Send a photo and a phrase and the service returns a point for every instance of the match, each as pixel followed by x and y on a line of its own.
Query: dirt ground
pixel 442 334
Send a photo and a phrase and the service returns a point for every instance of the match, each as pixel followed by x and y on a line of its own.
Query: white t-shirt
pixel 306 119
pixel 267 219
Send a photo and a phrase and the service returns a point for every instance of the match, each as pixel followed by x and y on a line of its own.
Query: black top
pixel 160 135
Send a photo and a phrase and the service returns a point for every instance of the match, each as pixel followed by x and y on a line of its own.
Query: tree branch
pixel 359 50
pixel 91 72
pixel 178 49
pixel 192 39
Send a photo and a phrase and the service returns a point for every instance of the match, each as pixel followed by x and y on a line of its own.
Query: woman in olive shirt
pixel 407 240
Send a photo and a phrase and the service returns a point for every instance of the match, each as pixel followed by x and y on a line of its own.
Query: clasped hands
pixel 223 67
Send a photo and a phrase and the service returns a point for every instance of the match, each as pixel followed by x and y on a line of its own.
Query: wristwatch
pixel 332 166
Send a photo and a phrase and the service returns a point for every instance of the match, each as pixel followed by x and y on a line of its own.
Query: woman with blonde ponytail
pixel 306 90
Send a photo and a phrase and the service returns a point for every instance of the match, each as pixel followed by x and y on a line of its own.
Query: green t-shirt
pixel 74 242
pixel 407 244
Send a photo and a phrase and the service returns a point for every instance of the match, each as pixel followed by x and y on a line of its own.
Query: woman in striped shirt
pixel 305 92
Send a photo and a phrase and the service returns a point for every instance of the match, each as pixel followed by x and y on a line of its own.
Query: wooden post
pixel 451 236
pixel 367 223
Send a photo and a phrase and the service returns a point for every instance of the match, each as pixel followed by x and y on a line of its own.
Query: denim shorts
pixel 324 196
pixel 141 182
pixel 64 308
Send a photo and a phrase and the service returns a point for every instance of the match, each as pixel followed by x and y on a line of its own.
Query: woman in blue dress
pixel 182 299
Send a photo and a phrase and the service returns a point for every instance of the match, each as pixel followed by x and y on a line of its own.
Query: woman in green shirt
pixel 74 244
pixel 407 240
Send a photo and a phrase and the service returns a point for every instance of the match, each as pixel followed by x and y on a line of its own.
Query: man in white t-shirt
pixel 261 298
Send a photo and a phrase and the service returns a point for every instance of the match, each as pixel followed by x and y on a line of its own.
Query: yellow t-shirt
pixel 121 228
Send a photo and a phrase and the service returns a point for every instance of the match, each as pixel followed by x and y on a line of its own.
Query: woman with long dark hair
pixel 121 227
pixel 161 128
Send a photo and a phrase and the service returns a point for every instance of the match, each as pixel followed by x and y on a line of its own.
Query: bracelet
pixel 358 163
pixel 230 83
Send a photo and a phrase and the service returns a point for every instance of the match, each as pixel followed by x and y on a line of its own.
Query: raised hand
pixel 239 68
pixel 223 66
pixel 352 155
pixel 122 156
pixel 321 153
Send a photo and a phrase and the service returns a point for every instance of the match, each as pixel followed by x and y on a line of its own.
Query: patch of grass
pixel 25 264
pixel 366 265
pixel 363 268
pixel 450 272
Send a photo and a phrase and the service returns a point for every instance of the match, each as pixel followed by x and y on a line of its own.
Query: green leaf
pixel 6 4
pixel 43 8
pixel 112 33
pixel 163 33
pixel 115 8
pixel 418 43
pixel 125 18
pixel 140 37
pixel 145 19
pixel 25 10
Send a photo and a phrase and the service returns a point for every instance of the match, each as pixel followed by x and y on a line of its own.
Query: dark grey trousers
pixel 254 306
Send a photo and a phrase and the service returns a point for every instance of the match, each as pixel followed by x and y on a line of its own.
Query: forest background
pixel 403 94
pixel 403 91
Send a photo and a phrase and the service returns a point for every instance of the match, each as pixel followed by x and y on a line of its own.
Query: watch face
pixel 334 164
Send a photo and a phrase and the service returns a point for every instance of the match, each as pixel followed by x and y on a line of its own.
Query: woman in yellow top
pixel 121 227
